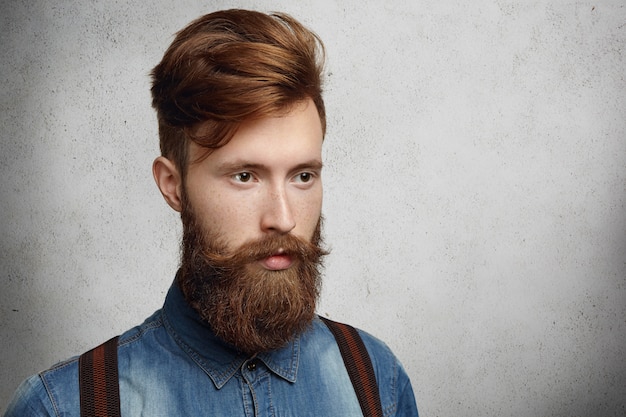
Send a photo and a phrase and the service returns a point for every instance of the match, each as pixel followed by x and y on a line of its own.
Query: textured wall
pixel 475 189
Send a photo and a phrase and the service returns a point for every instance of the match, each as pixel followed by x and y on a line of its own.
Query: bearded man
pixel 241 117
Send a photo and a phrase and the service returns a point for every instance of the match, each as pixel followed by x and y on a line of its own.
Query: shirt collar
pixel 217 358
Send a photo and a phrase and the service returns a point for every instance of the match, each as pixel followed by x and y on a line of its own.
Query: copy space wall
pixel 475 189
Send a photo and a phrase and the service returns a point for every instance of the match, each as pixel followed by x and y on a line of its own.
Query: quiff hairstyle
pixel 228 67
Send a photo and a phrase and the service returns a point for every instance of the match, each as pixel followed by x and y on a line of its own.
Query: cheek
pixel 309 212
pixel 232 221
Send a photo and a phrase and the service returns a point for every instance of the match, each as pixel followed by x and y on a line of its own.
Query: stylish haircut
pixel 228 67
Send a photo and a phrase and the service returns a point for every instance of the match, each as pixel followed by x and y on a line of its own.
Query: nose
pixel 277 215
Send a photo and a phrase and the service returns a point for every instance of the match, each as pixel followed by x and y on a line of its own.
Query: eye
pixel 242 177
pixel 304 177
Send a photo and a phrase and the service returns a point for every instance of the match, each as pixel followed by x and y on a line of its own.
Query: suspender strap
pixel 359 366
pixel 98 381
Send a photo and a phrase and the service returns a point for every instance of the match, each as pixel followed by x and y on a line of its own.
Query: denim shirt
pixel 173 365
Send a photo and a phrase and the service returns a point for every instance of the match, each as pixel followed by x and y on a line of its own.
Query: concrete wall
pixel 475 189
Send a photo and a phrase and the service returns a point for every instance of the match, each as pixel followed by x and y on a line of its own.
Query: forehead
pixel 294 137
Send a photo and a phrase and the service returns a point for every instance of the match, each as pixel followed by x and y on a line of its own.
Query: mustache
pixel 299 249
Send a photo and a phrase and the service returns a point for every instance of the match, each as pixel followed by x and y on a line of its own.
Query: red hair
pixel 228 67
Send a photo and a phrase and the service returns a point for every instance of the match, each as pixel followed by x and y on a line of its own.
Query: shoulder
pixel 31 399
pixel 48 393
pixel 55 391
pixel 395 387
pixel 152 324
pixel 378 350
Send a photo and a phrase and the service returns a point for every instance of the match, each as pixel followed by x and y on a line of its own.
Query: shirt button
pixel 251 366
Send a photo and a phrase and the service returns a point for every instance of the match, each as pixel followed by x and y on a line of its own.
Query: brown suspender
pixel 359 366
pixel 98 380
pixel 99 384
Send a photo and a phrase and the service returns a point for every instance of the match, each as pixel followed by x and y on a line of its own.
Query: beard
pixel 252 308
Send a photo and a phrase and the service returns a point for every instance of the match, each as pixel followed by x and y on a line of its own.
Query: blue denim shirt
pixel 173 365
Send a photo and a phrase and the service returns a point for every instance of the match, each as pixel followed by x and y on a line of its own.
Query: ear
pixel 169 181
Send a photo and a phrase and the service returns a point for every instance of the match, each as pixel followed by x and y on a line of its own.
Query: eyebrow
pixel 314 164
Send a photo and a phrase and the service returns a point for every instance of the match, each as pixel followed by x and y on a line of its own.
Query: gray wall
pixel 475 189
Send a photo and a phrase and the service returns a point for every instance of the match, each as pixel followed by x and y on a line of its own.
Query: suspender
pixel 99 384
pixel 359 366
pixel 98 381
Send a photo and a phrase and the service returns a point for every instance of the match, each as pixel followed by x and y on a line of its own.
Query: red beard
pixel 246 305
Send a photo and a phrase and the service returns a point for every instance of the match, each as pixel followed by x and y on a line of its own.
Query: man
pixel 241 125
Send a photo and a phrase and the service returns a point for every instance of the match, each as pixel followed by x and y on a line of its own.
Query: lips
pixel 277 262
